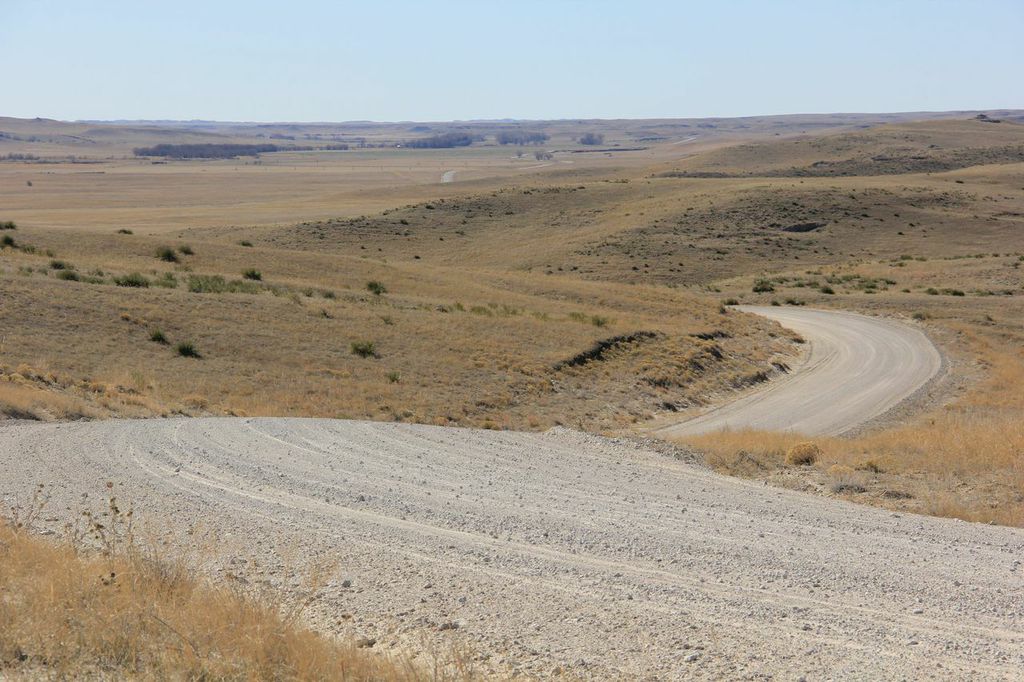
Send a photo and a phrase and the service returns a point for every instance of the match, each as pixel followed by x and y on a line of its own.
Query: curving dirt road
pixel 552 551
pixel 857 368
pixel 564 551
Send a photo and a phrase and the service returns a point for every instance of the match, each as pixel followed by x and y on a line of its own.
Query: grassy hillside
pixel 285 332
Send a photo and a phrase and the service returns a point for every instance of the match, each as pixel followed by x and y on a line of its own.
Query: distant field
pixel 85 174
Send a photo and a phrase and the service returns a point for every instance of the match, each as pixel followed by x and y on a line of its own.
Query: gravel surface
pixel 555 551
pixel 857 368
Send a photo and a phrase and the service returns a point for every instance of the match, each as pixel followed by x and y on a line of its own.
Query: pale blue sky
pixel 317 60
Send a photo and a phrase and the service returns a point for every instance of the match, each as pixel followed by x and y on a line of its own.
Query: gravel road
pixel 857 368
pixel 552 551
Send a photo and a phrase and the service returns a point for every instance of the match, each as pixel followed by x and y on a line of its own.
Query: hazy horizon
pixel 509 119
pixel 320 61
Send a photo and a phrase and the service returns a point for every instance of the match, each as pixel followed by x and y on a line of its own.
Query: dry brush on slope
pixel 321 334
pixel 100 605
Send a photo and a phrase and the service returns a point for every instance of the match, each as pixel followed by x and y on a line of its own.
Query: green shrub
pixel 67 275
pixel 215 284
pixel 376 288
pixel 245 242
pixel 253 274
pixel 826 289
pixel 125 231
pixel 135 279
pixel 364 349
pixel 60 265
pixel 186 349
pixel 763 286
pixel 8 225
pixel 7 241
pixel 157 336
pixel 167 281
pixel 167 254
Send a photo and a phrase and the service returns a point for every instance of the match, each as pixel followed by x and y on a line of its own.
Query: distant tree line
pixel 591 138
pixel 223 151
pixel 521 137
pixel 442 141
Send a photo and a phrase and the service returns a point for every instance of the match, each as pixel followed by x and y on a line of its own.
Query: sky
pixel 323 60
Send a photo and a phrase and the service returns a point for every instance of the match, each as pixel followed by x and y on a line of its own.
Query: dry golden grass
pixel 962 464
pixel 123 613
pixel 451 345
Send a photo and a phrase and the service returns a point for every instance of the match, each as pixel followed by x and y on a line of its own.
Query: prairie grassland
pixel 301 333
pixel 633 227
pixel 125 612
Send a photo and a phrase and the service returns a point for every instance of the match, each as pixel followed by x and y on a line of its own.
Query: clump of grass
pixel 7 241
pixel 215 284
pixel 364 349
pixel 135 280
pixel 245 242
pixel 167 254
pixel 68 275
pixel 394 377
pixel 186 250
pixel 376 288
pixel 125 230
pixel 845 479
pixel 253 274
pixel 599 320
pixel 60 265
pixel 731 301
pixel 166 280
pixel 187 349
pixel 157 336
pixel 763 286
pixel 803 454
pixel 8 225
pixel 826 289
